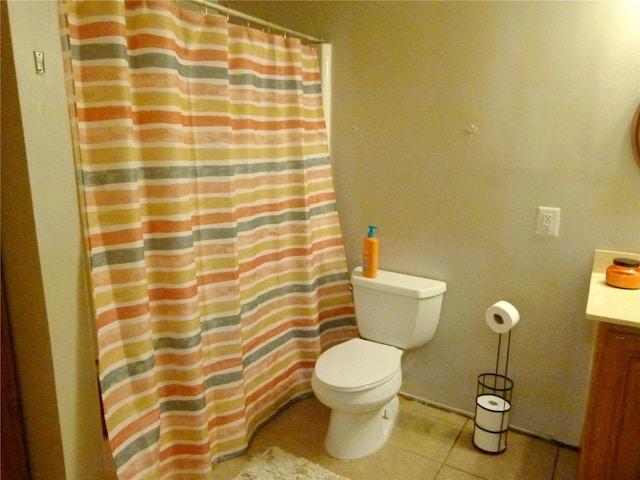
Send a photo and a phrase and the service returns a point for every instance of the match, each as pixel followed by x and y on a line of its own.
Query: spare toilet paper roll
pixel 492 413
pixel 502 316
pixel 489 442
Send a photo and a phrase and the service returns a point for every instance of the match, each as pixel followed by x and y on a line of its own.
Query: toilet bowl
pixel 360 378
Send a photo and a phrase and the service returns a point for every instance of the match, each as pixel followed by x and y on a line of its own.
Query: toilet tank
pixel 397 309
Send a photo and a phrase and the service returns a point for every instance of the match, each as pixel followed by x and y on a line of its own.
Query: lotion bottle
pixel 370 254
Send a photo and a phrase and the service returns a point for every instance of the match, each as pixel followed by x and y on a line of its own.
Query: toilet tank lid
pixel 399 284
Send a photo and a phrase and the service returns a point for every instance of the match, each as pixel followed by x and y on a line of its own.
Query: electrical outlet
pixel 548 221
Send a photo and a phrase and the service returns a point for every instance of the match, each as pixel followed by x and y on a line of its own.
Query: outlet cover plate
pixel 548 221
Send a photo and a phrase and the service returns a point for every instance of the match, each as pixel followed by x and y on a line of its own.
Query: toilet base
pixel 356 435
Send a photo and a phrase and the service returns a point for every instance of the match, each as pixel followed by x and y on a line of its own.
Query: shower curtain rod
pixel 255 20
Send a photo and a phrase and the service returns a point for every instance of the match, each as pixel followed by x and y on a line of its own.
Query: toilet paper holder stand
pixel 493 403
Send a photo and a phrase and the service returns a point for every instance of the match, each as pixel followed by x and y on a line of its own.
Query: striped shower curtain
pixel 217 265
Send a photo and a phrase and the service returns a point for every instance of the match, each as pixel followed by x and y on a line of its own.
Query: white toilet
pixel 360 379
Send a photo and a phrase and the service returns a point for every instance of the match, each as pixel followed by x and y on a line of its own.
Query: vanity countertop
pixel 610 304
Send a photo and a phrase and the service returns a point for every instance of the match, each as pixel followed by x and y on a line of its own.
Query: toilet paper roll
pixel 489 442
pixel 492 413
pixel 502 317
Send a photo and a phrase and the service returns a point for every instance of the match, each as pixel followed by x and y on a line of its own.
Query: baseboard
pixel 471 415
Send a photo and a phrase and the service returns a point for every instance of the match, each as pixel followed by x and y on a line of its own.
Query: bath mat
pixel 276 464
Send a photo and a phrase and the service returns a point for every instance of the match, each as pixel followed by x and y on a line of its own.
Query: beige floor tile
pixel 567 464
pixel 300 430
pixel 450 473
pixel 425 430
pixel 424 438
pixel 525 457
pixel 388 463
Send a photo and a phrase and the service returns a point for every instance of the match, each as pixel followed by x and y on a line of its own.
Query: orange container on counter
pixel 624 273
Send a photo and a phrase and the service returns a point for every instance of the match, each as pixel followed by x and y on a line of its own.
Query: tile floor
pixel 427 444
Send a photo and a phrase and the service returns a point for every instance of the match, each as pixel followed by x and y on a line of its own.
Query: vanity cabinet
pixel 610 447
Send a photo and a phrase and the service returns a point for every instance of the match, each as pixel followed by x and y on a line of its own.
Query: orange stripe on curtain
pixel 217 264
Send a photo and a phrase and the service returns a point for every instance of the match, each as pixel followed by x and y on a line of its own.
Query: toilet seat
pixel 357 365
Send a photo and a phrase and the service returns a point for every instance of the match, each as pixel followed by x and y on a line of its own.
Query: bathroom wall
pixel 551 88
pixel 26 311
pixel 42 254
